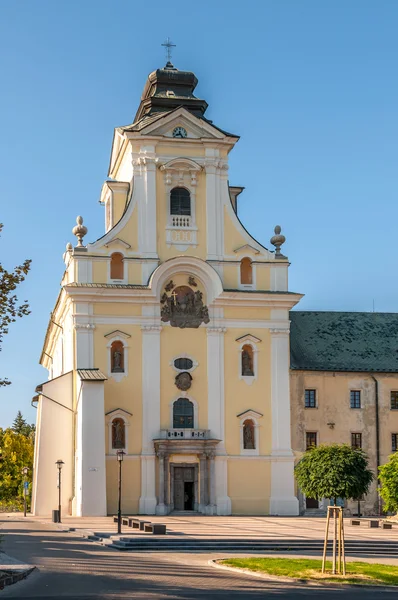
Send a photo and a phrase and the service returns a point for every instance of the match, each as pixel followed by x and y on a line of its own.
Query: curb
pixel 15 577
pixel 303 582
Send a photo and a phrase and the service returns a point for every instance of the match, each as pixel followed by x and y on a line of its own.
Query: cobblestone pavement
pixel 71 567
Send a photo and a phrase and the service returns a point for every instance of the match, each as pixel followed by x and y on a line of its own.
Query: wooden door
pixel 178 488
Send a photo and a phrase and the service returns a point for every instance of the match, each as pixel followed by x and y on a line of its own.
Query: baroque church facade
pixel 169 339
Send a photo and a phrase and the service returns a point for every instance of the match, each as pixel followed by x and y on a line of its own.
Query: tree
pixel 388 475
pixel 21 426
pixel 335 471
pixel 10 309
pixel 17 452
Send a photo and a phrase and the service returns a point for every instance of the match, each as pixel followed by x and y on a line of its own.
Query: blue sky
pixel 309 86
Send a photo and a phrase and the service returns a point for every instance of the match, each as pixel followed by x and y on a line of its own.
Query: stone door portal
pixel 184 488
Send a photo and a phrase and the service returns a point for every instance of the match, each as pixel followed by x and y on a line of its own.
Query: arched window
pixel 246 271
pixel 118 434
pixel 183 412
pixel 117 357
pixel 117 267
pixel 247 361
pixel 248 435
pixel 180 202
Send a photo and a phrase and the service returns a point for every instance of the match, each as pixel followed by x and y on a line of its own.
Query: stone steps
pixel 239 545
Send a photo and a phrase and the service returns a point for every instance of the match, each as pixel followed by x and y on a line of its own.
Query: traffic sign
pixel 26 485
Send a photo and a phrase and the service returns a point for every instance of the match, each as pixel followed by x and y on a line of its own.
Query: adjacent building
pixel 344 388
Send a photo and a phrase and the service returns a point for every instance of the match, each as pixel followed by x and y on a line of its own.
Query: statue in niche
pixel 247 362
pixel 117 360
pixel 117 357
pixel 184 308
pixel 118 433
pixel 248 435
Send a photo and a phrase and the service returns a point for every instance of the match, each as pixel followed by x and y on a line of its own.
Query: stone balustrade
pixel 184 434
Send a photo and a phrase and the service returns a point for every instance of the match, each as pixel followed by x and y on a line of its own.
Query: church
pixel 169 339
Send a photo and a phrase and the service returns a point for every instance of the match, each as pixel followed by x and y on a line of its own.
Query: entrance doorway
pixel 185 490
pixel 311 503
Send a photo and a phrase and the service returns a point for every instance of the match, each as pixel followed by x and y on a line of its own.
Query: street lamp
pixel 120 454
pixel 59 464
pixel 25 488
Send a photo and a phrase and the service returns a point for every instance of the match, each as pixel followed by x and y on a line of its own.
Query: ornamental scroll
pixel 183 307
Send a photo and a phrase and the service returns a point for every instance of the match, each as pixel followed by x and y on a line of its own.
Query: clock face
pixel 180 132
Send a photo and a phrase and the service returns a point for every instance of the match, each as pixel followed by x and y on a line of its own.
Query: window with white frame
pixel 117 266
pixel 246 271
pixel 183 412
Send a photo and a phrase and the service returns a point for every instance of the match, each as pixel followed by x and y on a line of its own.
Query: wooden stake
pixel 334 540
pixel 339 546
pixel 325 545
pixel 342 536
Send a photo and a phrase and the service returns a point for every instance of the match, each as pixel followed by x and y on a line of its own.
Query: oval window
pixel 183 363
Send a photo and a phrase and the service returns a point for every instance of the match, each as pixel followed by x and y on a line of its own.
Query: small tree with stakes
pixel 335 471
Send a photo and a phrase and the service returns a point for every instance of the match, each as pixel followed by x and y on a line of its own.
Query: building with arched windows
pixel 170 336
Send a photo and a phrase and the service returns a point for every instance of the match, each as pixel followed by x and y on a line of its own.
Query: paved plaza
pixel 300 529
pixel 69 566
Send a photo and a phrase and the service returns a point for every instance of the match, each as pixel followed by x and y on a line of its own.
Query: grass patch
pixel 303 568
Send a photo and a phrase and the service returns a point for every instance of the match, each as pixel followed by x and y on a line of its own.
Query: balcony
pixel 184 434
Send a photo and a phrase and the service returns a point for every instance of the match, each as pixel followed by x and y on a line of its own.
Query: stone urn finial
pixel 79 231
pixel 277 240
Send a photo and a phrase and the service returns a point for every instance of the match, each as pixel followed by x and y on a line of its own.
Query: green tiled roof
pixel 344 341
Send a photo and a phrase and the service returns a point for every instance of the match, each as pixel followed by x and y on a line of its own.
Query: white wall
pixel 54 440
pixel 90 449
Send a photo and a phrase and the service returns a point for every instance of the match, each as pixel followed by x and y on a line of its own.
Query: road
pixel 74 568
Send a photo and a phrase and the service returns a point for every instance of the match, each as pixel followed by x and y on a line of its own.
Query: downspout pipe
pixel 377 438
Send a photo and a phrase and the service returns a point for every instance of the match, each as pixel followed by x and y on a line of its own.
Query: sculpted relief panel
pixel 182 306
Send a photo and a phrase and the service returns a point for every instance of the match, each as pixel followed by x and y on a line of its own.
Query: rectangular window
pixel 394 400
pixel 355 399
pixel 310 398
pixel 394 442
pixel 356 440
pixel 310 439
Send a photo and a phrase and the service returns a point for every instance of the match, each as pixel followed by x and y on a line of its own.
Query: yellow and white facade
pixel 170 336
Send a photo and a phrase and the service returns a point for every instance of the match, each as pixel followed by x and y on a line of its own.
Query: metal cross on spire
pixel 168 44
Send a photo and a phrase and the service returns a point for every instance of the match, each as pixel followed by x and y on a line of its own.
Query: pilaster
pixel 214 166
pixel 144 165
pixel 150 414
pixel 283 500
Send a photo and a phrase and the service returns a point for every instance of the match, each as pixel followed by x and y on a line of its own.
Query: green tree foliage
pixel 388 475
pixel 10 308
pixel 335 471
pixel 21 426
pixel 16 452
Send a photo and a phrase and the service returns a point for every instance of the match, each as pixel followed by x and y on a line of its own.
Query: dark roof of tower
pixel 344 341
pixel 167 89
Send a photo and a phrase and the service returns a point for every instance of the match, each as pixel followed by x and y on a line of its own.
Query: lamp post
pixel 120 454
pixel 24 473
pixel 59 464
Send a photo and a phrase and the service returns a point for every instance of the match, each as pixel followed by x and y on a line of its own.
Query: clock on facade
pixel 180 132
